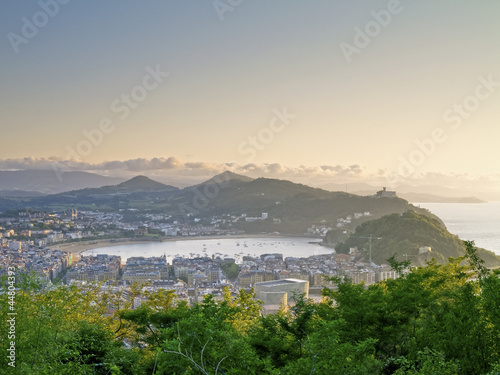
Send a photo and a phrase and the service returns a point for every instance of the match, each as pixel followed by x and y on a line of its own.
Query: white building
pixel 279 292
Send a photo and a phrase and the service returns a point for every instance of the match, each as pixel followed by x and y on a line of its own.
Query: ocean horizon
pixel 478 222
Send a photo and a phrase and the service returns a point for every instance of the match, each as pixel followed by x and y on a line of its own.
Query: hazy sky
pixel 350 85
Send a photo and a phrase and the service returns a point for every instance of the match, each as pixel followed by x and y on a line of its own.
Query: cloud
pixel 142 164
pixel 175 171
pixel 28 163
pixel 178 170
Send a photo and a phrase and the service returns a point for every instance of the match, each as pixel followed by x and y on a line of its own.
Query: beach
pixel 79 247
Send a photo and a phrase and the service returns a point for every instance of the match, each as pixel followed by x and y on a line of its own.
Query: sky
pixel 323 91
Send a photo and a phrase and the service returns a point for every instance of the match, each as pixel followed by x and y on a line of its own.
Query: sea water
pixel 479 222
pixel 223 247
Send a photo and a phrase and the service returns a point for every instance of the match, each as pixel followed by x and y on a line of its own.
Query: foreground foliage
pixel 438 319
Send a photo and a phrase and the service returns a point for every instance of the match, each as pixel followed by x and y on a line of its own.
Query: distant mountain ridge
pixel 136 184
pixel 143 183
pixel 430 198
pixel 50 182
pixel 20 193
pixel 414 194
pixel 226 177
pixel 37 182
pixel 290 207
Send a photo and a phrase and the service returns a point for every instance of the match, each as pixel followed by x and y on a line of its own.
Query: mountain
pixel 460 193
pixel 138 184
pixel 250 194
pixel 226 177
pixel 138 192
pixel 400 234
pixel 143 183
pixel 19 193
pixel 52 182
pixel 291 208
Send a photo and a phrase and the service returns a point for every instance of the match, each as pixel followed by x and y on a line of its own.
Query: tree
pixel 62 331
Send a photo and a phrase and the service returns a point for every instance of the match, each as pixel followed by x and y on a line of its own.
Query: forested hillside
pixel 400 234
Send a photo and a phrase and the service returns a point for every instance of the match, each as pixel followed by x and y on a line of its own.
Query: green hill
pixel 137 192
pixel 405 234
pixel 291 207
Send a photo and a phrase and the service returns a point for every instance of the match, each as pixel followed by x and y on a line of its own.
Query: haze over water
pixel 479 222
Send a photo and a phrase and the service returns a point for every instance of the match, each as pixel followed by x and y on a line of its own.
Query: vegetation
pixel 231 270
pixel 400 234
pixel 294 206
pixel 437 319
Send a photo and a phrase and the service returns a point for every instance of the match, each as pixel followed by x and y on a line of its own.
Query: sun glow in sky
pixel 399 86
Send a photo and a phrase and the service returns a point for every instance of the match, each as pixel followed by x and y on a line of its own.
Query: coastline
pixel 80 247
pixel 77 248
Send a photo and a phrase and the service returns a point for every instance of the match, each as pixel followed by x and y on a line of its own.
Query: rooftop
pixel 280 282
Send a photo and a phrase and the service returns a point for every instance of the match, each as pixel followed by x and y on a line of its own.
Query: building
pixel 343 258
pixel 214 274
pixel 197 278
pixel 384 193
pixel 144 270
pixel 320 279
pixel 250 278
pixel 424 250
pixel 299 275
pixel 95 268
pixel 366 276
pixel 15 245
pixel 385 272
pixel 280 292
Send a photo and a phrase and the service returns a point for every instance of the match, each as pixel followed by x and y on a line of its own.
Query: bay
pixel 223 247
pixel 479 222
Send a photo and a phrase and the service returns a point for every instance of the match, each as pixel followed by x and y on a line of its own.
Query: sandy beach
pixel 79 247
